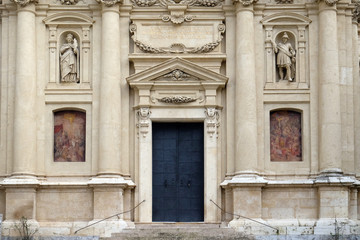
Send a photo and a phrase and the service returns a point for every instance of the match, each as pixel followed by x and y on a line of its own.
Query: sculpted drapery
pixel 69 60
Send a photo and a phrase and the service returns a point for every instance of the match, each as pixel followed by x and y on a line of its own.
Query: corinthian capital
pixel 329 2
pixel 109 3
pixel 23 3
pixel 244 2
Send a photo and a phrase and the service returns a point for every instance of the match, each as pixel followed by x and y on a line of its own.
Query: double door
pixel 178 172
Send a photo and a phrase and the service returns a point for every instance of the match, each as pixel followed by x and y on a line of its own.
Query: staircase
pixel 179 231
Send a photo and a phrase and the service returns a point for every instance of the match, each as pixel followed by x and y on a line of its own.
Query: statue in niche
pixel 285 59
pixel 69 60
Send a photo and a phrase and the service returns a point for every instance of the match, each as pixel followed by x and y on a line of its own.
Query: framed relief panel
pixel 69 136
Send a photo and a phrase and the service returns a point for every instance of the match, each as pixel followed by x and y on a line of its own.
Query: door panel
pixel 178 172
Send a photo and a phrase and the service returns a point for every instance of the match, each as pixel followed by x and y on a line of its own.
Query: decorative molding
pixel 244 2
pixel 212 120
pixel 165 3
pixel 177 75
pixel 177 99
pixel 69 2
pixel 177 47
pixel 143 116
pixel 109 3
pixel 23 3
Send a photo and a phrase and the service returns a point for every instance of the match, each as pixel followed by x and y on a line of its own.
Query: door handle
pixel 165 183
pixel 189 183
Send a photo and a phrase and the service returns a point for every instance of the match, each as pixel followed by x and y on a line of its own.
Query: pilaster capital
pixel 23 3
pixel 245 2
pixel 109 3
pixel 329 2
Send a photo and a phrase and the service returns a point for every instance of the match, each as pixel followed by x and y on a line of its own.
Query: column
pixel 329 91
pixel 245 112
pixel 110 99
pixel 25 92
pixel 356 82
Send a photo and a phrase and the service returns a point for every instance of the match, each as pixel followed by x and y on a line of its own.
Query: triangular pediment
pixel 177 71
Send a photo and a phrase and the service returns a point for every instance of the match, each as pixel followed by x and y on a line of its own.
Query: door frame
pixel 144 157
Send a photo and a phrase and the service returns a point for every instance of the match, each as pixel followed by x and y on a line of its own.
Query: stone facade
pixel 228 64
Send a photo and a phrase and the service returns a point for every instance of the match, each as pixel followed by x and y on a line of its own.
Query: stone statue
pixel 285 59
pixel 69 60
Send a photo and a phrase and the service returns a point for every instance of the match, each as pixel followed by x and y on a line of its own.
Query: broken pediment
pixel 177 81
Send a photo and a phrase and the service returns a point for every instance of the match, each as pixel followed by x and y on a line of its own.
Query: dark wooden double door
pixel 178 172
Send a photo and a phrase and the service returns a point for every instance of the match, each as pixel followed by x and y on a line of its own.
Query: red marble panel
pixel 69 136
pixel 285 136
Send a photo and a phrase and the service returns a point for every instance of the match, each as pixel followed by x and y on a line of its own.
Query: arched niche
pixel 296 27
pixel 79 25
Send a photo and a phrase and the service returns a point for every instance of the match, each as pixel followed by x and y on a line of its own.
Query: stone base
pixel 50 229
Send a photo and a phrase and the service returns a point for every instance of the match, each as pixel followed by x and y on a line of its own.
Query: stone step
pixel 179 231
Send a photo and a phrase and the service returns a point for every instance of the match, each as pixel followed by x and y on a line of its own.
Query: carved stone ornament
pixel 177 75
pixel 329 2
pixel 109 3
pixel 178 47
pixel 23 3
pixel 284 1
pixel 143 116
pixel 356 12
pixel 212 120
pixel 69 2
pixel 177 18
pixel 177 99
pixel 244 2
pixel 164 3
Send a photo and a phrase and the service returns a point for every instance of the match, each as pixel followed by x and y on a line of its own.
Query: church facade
pixel 183 111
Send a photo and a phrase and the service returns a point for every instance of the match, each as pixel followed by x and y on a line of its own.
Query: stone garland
pixel 177 99
pixel 202 3
pixel 202 49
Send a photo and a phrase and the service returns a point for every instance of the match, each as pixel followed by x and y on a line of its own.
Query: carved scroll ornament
pixel 178 47
pixel 23 3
